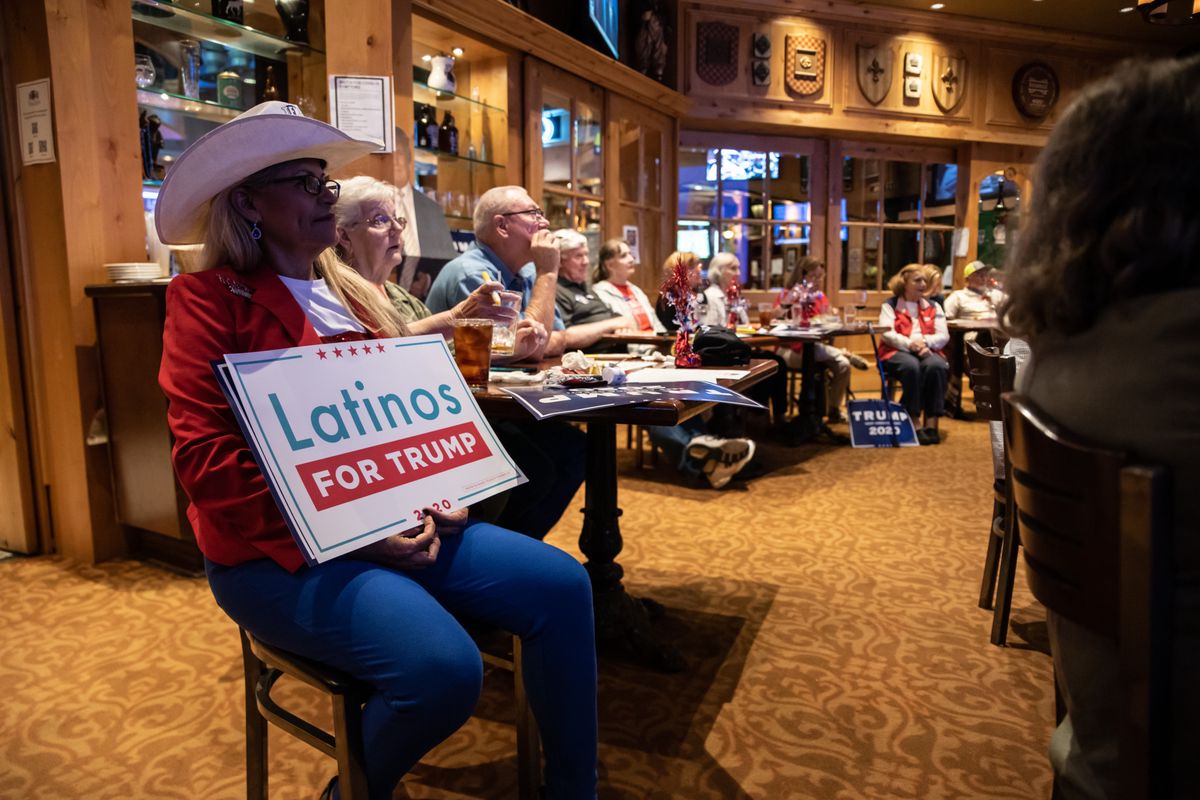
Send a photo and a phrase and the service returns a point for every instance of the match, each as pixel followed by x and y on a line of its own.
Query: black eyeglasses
pixel 382 221
pixel 313 184
pixel 537 213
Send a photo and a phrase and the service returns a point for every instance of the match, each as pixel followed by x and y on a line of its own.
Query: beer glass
pixel 473 351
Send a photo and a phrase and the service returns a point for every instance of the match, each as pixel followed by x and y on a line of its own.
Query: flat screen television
pixel 605 15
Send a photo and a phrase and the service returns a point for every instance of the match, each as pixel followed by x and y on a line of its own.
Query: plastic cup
pixel 504 338
pixel 473 351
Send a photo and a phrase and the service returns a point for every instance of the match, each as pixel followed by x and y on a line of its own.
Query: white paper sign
pixel 37 131
pixel 361 105
pixel 630 234
pixel 356 438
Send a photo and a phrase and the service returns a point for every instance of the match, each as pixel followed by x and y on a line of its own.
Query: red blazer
pixel 210 314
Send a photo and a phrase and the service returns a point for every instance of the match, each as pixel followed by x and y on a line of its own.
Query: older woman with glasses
pixel 370 238
pixel 254 191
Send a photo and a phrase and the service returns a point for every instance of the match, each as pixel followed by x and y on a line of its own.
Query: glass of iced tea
pixel 473 351
pixel 766 314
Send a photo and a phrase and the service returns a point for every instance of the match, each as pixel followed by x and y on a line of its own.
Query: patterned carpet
pixel 826 608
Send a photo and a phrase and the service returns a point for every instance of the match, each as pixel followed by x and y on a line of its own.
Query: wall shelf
pixel 203 109
pixel 186 18
pixel 431 155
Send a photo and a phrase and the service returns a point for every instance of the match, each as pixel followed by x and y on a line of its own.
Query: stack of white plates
pixel 133 271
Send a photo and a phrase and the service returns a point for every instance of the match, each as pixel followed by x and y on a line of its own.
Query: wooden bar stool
pixel 263 665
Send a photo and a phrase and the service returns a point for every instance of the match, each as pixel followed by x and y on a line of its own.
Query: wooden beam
pixel 508 26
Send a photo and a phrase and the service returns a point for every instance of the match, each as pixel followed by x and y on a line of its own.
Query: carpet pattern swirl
pixel 826 610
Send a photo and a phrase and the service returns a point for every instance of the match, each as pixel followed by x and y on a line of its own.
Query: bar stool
pixel 263 665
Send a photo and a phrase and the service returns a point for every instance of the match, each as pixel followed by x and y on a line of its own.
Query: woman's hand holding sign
pixel 417 547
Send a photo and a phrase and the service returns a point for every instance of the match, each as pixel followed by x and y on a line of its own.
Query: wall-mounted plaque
pixel 804 64
pixel 716 52
pixel 912 88
pixel 760 46
pixel 1035 90
pixel 913 62
pixel 760 73
pixel 949 79
pixel 874 72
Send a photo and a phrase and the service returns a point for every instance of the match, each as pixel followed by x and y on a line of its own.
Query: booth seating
pixel 263 665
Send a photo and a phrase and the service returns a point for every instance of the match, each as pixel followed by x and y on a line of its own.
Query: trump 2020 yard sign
pixel 355 438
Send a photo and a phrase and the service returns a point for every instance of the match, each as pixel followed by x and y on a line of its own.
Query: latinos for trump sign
pixel 356 438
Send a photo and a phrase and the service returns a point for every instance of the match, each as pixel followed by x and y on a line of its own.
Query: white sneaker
pixel 721 458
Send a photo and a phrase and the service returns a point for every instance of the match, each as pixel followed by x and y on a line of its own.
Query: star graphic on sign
pixel 380 348
pixel 337 352
pixel 353 350
pixel 366 350
pixel 321 354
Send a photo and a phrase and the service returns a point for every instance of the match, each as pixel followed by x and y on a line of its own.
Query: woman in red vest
pixel 911 351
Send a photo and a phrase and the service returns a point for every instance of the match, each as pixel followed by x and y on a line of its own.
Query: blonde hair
pixel 228 242
pixel 896 284
pixel 934 276
pixel 685 257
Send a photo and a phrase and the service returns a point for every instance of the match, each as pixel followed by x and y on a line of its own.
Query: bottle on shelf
pixel 269 92
pixel 424 113
pixel 229 89
pixel 448 136
pixel 431 128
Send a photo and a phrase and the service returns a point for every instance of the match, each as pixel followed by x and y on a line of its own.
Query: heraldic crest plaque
pixel 804 65
pixel 874 71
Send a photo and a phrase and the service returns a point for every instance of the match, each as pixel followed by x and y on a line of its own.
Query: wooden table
pixel 664 341
pixel 956 357
pixel 621 619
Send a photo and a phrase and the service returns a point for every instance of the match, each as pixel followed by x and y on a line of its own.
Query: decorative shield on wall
pixel 949 79
pixel 804 65
pixel 1035 90
pixel 875 72
pixel 716 52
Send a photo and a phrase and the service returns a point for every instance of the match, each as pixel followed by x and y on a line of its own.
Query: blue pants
pixel 923 383
pixel 397 630
pixel 673 439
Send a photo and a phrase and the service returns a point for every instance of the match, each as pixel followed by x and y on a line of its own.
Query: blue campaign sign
pixel 880 423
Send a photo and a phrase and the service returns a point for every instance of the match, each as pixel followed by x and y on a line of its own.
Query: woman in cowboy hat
pixel 255 192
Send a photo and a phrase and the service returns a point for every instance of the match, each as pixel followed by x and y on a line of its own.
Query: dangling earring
pixel 255 231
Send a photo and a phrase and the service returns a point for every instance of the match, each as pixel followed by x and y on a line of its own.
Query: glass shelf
pixel 441 95
pixel 203 109
pixel 433 155
pixel 187 19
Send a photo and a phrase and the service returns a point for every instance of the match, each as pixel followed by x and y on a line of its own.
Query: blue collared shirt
pixel 464 274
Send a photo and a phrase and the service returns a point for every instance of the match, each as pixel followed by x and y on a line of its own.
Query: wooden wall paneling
pixel 517 100
pixel 18 519
pixel 360 40
pixel 895 102
pixel 77 213
pixel 531 113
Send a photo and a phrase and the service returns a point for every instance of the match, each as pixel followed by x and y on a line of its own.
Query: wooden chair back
pixel 991 374
pixel 1097 541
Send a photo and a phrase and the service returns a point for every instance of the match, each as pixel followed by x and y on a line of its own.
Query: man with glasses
pixel 515 247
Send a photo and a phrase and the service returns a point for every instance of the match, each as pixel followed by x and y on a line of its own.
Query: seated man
pixel 515 247
pixel 587 318
pixel 979 299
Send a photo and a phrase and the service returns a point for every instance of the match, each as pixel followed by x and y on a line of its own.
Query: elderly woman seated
pixel 912 350
pixel 979 299
pixel 722 269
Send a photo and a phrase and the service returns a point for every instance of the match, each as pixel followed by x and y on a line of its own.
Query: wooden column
pixel 374 37
pixel 73 215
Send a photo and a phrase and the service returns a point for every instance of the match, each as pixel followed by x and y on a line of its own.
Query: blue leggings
pixel 397 630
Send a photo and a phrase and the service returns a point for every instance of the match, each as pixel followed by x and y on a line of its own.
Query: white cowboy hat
pixel 268 134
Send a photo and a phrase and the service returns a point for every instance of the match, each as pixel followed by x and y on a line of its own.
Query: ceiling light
pixel 1126 9
pixel 427 57
pixel 938 6
pixel 1169 12
pixel 458 51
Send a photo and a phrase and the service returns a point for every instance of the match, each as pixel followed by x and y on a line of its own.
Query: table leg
pixel 811 425
pixel 621 620
pixel 955 355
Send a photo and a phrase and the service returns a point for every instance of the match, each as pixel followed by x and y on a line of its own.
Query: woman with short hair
pixel 911 351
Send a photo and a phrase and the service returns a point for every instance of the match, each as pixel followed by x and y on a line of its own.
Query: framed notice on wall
pixel 361 106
